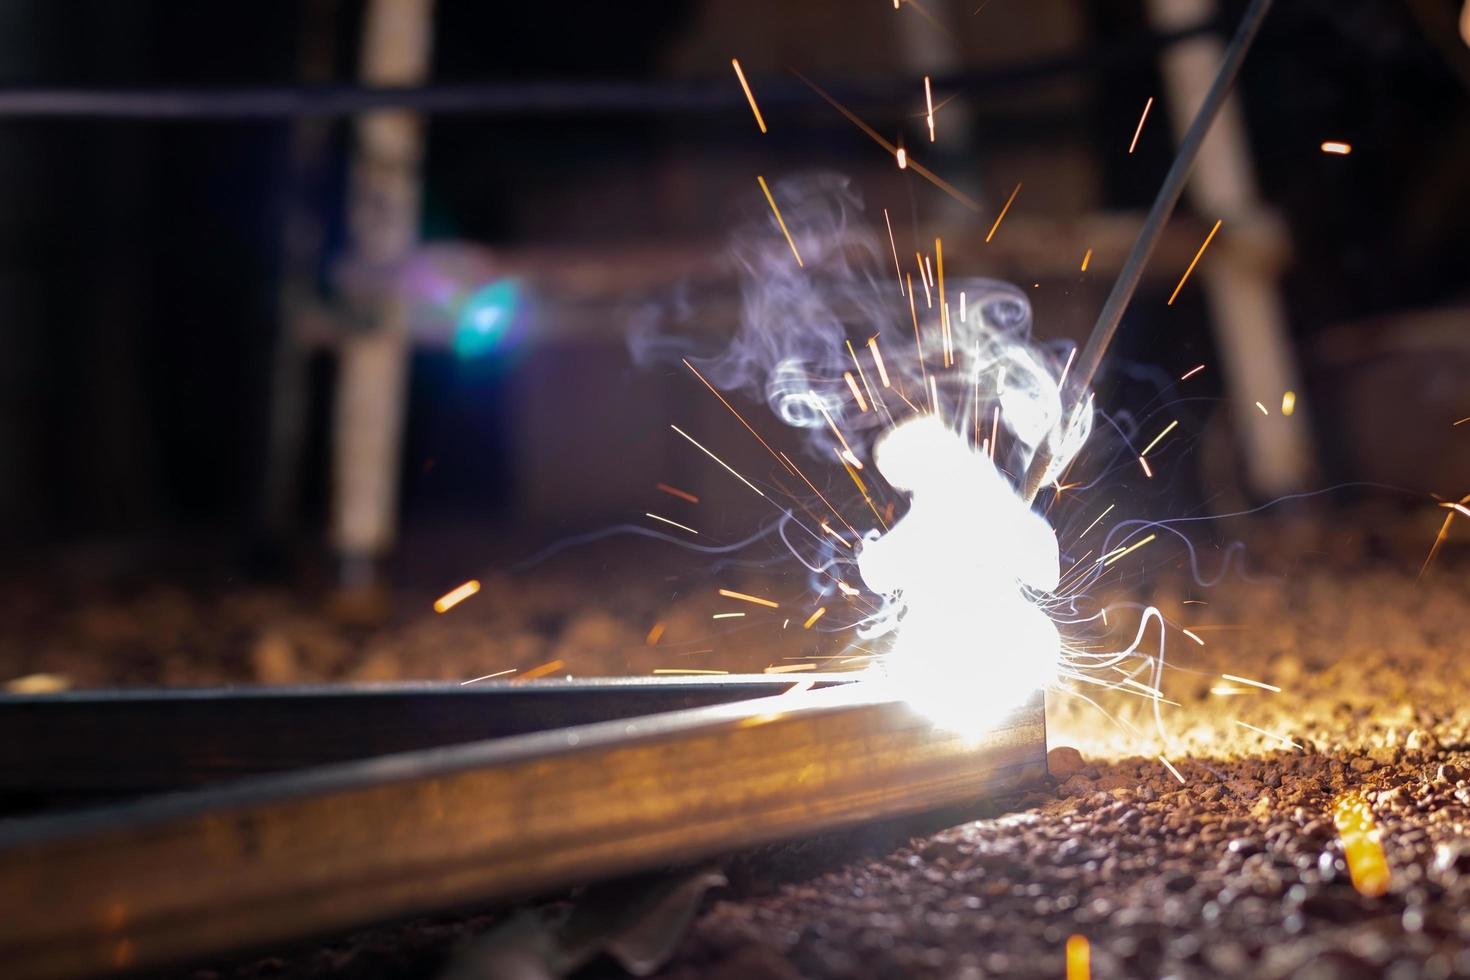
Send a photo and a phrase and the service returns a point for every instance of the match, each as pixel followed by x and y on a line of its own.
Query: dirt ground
pixel 1241 869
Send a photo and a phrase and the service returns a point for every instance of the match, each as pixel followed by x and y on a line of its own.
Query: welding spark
pixel 1001 217
pixel 749 95
pixel 757 600
pixel 1367 865
pixel 1095 522
pixel 682 527
pixel 898 152
pixel 748 427
pixel 894 246
pixel 1146 107
pixel 686 670
pixel 856 392
pixel 1192 635
pixel 1252 683
pixel 728 616
pixel 550 667
pixel 1086 258
pixel 455 596
pixel 1272 735
pixel 1079 953
pixel 717 459
pixel 1193 262
pixel 929 105
pixel 812 619
pixel 1121 552
pixel 1263 408
pixel 654 634
pixel 486 677
pixel 878 357
pixel 676 492
pixel 1170 766
pixel 1337 148
pixel 789 668
pixel 1288 403
pixel 1191 372
pixel 780 220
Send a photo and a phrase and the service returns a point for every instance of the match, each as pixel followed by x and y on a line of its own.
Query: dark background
pixel 140 260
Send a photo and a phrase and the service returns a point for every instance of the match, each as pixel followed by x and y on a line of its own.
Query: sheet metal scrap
pixel 273 858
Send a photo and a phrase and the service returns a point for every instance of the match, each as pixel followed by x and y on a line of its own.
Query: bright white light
pixel 969 645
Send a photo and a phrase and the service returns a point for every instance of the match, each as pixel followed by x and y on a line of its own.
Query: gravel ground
pixel 1239 871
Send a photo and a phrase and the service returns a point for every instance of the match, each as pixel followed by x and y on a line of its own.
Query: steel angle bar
pixel 82 745
pixel 265 860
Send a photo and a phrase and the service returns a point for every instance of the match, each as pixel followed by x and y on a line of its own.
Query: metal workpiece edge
pixel 278 858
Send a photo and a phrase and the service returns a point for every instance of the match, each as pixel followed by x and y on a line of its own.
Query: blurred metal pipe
pixel 191 875
pixel 545 97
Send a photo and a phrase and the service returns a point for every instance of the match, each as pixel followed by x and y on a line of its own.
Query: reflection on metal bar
pixel 88 744
pixel 288 856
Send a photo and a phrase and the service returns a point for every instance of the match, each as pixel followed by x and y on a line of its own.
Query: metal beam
pixel 81 745
pixel 196 874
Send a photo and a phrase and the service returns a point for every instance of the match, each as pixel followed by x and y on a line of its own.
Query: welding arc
pixel 1086 365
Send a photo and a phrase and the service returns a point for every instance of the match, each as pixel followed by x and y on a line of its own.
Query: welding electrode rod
pixel 1083 371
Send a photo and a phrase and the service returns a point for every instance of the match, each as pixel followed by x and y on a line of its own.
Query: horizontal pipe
pixel 534 97
pixel 191 875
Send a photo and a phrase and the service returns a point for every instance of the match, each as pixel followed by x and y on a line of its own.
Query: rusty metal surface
pixel 83 745
pixel 275 858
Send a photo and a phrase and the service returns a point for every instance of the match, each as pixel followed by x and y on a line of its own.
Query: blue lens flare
pixel 485 318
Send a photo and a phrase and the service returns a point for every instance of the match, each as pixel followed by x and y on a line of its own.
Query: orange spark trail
pixel 862 488
pixel 894 246
pixel 1086 259
pixel 857 392
pixel 943 305
pixel 876 137
pixel 918 344
pixel 789 668
pixel 878 360
pixel 749 598
pixel 1001 217
pixel 1337 147
pixel 821 611
pixel 835 431
pixel 455 596
pixel 1079 952
pixel 676 492
pixel 749 95
pixel 1288 403
pixel 546 668
pixel 748 427
pixel 1146 107
pixel 655 633
pixel 837 513
pixel 782 221
pixel 717 459
pixel 686 670
pixel 1185 278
